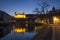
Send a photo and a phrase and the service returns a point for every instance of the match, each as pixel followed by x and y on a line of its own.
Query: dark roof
pixel 54 13
pixel 3 12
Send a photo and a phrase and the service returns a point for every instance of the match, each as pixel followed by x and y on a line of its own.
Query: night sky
pixel 27 6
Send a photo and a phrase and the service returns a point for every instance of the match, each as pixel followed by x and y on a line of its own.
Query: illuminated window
pixel 20 16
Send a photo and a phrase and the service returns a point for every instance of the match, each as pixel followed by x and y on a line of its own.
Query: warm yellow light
pixel 38 20
pixel 26 25
pixel 20 30
pixel 38 28
pixel 20 16
pixel 56 20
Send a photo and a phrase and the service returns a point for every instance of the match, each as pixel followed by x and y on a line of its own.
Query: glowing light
pixel 20 30
pixel 20 16
pixel 26 25
pixel 56 20
pixel 38 28
pixel 38 20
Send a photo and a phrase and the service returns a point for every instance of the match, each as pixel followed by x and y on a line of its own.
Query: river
pixel 19 36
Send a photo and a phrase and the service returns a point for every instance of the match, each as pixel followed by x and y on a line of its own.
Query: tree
pixel 44 9
pixel 37 11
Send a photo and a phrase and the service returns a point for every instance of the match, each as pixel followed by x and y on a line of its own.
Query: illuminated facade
pixel 20 24
pixel 20 15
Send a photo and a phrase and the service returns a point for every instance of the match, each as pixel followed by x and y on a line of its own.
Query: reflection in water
pixel 19 30
pixel 21 34
pixel 4 30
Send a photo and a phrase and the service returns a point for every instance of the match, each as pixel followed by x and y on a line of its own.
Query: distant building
pixel 48 18
pixel 5 17
pixel 20 19
pixel 54 16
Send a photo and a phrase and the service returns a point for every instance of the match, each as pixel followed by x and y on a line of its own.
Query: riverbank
pixel 44 35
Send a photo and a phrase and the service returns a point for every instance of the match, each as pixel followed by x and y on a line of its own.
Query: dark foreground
pixel 49 35
pixel 46 35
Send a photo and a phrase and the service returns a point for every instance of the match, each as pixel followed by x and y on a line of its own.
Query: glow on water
pixel 19 30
